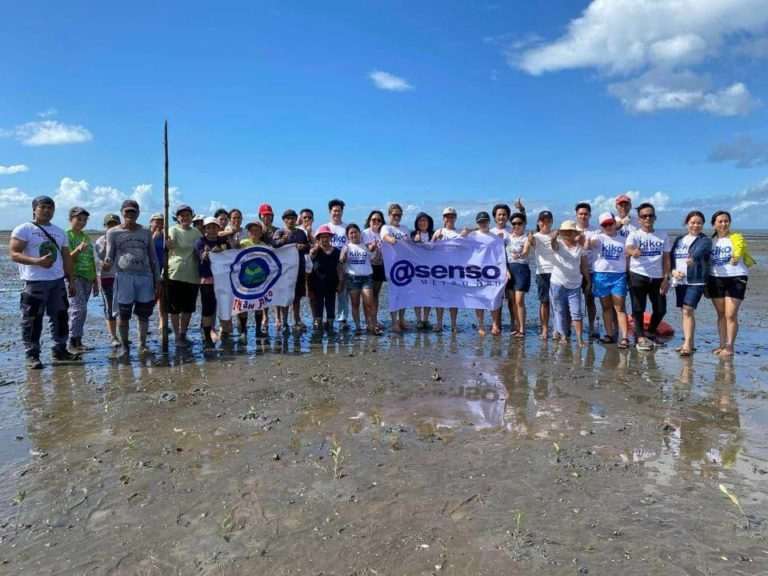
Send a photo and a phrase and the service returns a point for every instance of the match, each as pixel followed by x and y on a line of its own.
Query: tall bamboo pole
pixel 166 281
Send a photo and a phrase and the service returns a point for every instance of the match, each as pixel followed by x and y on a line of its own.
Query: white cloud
pixel 11 198
pixel 48 113
pixel 47 133
pixel 80 193
pixel 386 81
pixel 153 201
pixel 14 169
pixel 656 45
pixel 603 203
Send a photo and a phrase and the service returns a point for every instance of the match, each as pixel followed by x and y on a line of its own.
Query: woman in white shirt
pixel 541 242
pixel 423 230
pixel 448 232
pixel 371 237
pixel 358 277
pixel 391 234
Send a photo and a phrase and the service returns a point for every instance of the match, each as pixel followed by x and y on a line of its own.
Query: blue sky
pixel 424 103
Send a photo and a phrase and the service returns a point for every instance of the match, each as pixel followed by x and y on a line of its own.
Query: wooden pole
pixel 166 281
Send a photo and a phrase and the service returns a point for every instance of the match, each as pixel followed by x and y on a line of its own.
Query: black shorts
pixel 730 286
pixel 301 286
pixel 208 300
pixel 378 273
pixel 182 297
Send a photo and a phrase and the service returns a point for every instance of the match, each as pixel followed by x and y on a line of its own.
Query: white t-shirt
pixel 339 238
pixel 397 233
pixel 589 252
pixel 542 245
pixel 652 246
pixel 358 260
pixel 480 234
pixel 423 237
pixel 722 252
pixel 446 234
pixel 566 270
pixel 38 245
pixel 513 247
pixel 502 232
pixel 610 255
pixel 681 256
pixel 631 223
pixel 369 236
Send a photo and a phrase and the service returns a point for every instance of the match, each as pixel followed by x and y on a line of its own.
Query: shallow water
pixel 477 455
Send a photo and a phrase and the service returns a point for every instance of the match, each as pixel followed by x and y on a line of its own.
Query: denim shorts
pixel 356 283
pixel 609 284
pixel 688 295
pixel 519 277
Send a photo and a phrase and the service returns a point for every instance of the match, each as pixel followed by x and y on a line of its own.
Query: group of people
pixel 341 267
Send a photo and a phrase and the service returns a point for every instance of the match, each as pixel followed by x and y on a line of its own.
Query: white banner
pixel 254 278
pixel 460 273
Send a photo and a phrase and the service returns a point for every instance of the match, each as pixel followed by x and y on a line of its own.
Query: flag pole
pixel 166 281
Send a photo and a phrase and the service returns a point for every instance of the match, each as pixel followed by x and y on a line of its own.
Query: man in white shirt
pixel 625 223
pixel 583 214
pixel 339 240
pixel 42 252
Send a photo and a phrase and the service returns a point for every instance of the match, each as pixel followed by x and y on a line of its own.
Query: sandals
pixel 623 344
pixel 685 353
pixel 518 334
pixel 607 340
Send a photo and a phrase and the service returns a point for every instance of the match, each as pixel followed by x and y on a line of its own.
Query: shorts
pixel 130 288
pixel 378 273
pixel 107 297
pixel 542 286
pixel 519 277
pixel 207 300
pixel 689 295
pixel 182 297
pixel 609 284
pixel 730 286
pixel 301 286
pixel 356 283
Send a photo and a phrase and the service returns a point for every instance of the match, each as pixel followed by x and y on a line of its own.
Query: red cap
pixel 623 198
pixel 265 209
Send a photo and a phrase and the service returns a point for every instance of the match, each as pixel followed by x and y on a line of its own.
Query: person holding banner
pixel 338 240
pixel 483 221
pixel 391 234
pixel 541 242
pixel 255 232
pixel 424 229
pixel 358 277
pixel 291 234
pixel 448 232
pixel 306 220
pixel 210 243
pixel 327 276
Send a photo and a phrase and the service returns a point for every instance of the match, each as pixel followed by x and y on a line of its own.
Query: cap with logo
pixel 265 209
pixel 623 198
pixel 449 211
pixel 110 218
pixel 545 214
pixel 482 217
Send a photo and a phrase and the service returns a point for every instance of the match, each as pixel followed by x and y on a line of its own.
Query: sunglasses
pixel 607 224
pixel 517 223
pixel 646 216
pixel 376 220
pixel 396 214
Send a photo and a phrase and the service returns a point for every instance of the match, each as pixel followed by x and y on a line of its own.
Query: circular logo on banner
pixel 401 273
pixel 254 272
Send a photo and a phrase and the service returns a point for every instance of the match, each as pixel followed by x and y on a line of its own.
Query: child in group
pixel 569 269
pixel 255 233
pixel 483 221
pixel 84 266
pixel 107 279
pixel 358 277
pixel 448 232
pixel 327 277
pixel 423 230
pixel 210 242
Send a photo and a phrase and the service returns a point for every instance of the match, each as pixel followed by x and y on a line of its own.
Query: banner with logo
pixel 254 278
pixel 460 273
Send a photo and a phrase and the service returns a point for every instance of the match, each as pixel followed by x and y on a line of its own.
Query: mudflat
pixel 402 455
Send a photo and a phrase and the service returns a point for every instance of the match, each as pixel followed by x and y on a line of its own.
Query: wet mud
pixel 421 454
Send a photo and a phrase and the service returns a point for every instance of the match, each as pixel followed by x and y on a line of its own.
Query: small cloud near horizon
pixel 14 169
pixel 48 133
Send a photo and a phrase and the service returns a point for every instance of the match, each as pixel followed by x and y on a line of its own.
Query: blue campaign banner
pixel 461 273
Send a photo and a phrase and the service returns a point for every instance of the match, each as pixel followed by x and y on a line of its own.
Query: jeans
pixel 40 298
pixel 566 306
pixel 78 306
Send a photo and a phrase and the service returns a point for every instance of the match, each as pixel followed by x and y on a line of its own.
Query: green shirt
pixel 83 263
pixel 182 259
